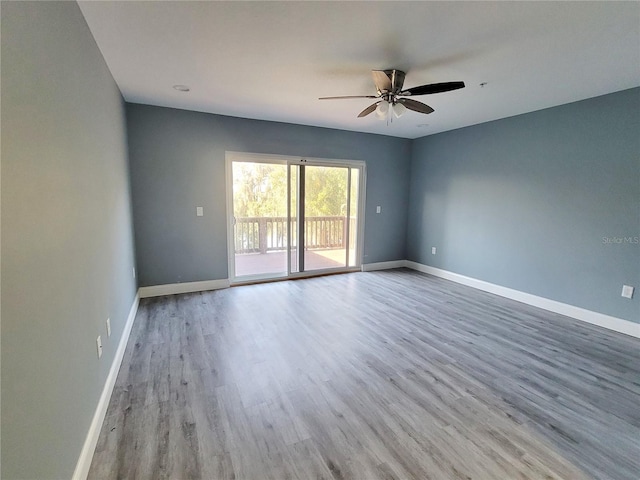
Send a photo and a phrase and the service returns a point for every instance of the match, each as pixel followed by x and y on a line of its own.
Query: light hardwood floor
pixel 379 375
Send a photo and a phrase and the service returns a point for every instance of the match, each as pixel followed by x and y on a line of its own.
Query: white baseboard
pixel 86 455
pixel 612 323
pixel 188 287
pixel 370 267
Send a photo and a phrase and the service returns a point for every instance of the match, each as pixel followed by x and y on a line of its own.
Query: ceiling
pixel 272 60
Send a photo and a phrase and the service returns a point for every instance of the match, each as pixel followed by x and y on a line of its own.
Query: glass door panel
pixel 260 219
pixel 294 266
pixel 352 259
pixel 326 201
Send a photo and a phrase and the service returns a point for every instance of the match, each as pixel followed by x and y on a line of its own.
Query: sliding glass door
pixel 292 217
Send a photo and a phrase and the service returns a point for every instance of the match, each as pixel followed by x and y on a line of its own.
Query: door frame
pixel 232 156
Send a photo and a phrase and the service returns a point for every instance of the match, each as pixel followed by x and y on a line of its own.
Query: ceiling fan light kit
pixel 389 90
pixel 399 109
pixel 382 109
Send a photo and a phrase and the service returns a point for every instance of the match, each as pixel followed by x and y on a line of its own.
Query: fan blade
pixel 382 80
pixel 348 96
pixel 368 110
pixel 433 88
pixel 415 105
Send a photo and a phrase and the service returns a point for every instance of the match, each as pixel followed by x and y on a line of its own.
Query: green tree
pixel 326 191
pixel 260 190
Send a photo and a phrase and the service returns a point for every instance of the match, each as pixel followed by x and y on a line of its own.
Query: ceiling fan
pixel 389 91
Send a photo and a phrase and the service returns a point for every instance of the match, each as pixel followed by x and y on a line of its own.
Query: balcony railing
pixel 268 234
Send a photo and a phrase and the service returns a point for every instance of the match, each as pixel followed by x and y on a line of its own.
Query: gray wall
pixel 67 243
pixel 525 202
pixel 177 162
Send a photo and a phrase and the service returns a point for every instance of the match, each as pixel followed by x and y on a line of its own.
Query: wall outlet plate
pixel 108 327
pixel 99 345
pixel 433 250
pixel 199 211
pixel 627 291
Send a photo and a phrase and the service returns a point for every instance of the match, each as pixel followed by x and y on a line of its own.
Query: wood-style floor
pixel 380 375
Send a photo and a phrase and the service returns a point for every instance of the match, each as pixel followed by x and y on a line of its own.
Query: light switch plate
pixel 108 327
pixel 199 211
pixel 627 291
pixel 378 209
pixel 433 250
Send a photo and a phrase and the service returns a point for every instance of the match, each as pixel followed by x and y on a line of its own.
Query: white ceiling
pixel 272 60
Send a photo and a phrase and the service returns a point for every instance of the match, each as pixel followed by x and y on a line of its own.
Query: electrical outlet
pixel 378 209
pixel 433 250
pixel 627 291
pixel 199 211
pixel 108 327
pixel 99 344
